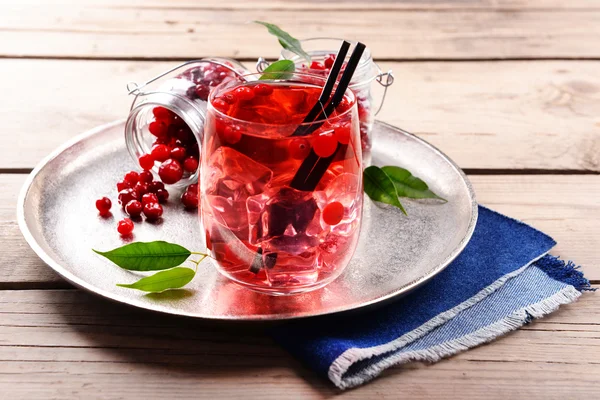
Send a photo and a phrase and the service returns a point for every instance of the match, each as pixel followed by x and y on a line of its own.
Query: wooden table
pixel 510 89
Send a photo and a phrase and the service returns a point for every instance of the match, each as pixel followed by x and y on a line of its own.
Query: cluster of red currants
pixel 175 147
pixel 176 150
pixel 139 194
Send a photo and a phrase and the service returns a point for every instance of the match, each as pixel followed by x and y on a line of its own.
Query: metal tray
pixel 57 216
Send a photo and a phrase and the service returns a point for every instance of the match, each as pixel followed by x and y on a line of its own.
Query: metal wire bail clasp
pixel 261 64
pixel 385 79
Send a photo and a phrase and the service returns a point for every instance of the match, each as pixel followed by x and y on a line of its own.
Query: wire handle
pixel 385 79
pixel 261 64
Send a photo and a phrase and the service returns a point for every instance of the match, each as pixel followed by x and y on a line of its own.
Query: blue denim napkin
pixel 502 280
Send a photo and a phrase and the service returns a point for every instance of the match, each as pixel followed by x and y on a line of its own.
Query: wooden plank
pixel 19 265
pixel 553 204
pixel 182 33
pixel 565 207
pixel 68 344
pixel 409 5
pixel 484 115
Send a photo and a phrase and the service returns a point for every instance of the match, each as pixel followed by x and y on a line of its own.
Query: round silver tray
pixel 396 253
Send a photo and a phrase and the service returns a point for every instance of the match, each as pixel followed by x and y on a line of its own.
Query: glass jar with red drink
pixel 166 120
pixel 323 52
pixel 281 198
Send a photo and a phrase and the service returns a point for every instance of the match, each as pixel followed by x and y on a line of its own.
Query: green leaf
pixel 286 40
pixel 281 69
pixel 408 185
pixel 379 187
pixel 147 256
pixel 163 280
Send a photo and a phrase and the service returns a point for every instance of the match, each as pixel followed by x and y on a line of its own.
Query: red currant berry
pixel 299 148
pixel 132 177
pixel 184 135
pixel 153 211
pixel 263 89
pixel 133 208
pixel 160 152
pixel 103 205
pixel 317 65
pixel 202 91
pixel 172 142
pixel 333 213
pixel 329 61
pixel 220 105
pixel 192 188
pixel 193 151
pixel 325 145
pixel 158 128
pixel 125 227
pixel 149 198
pixel 146 162
pixel 126 195
pixel 342 134
pixel 162 113
pixel 146 176
pixel 178 121
pixel 154 186
pixel 142 188
pixel 170 171
pixel 178 153
pixel 232 134
pixel 343 106
pixel 163 140
pixel 189 199
pixel 162 195
pixel 244 93
pixel 190 165
pixel 229 98
pixel 123 185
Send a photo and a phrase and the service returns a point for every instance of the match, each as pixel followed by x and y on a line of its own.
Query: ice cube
pixel 283 213
pixel 234 174
pixel 284 222
pixel 230 179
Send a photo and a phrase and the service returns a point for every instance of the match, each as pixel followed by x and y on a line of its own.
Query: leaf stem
pixel 197 262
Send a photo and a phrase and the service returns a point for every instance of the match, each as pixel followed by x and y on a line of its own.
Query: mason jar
pixel 323 52
pixel 166 119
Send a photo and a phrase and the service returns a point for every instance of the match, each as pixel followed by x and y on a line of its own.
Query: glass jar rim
pixel 242 79
pixel 366 60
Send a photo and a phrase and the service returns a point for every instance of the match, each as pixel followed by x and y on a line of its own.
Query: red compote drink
pixel 269 225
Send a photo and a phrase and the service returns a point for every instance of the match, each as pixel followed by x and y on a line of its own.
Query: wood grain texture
pixel 190 32
pixel 407 5
pixel 553 204
pixel 68 344
pixel 484 115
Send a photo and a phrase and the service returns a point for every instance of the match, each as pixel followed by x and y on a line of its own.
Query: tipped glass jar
pixel 323 52
pixel 165 123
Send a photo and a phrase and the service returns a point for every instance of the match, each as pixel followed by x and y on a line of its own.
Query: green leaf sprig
pixel 281 69
pixel 155 256
pixel 387 184
pixel 286 40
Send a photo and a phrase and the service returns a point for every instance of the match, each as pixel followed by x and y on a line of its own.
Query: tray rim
pixel 82 284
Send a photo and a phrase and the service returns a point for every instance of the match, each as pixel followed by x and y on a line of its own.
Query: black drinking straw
pixel 313 167
pixel 314 113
